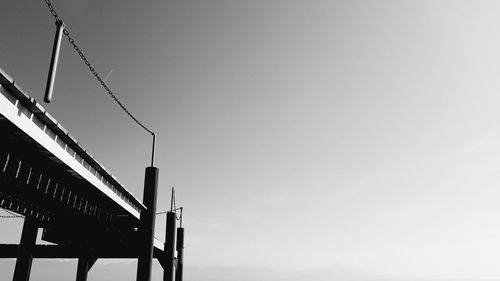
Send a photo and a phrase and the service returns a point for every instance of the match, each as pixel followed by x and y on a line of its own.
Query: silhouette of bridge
pixel 50 179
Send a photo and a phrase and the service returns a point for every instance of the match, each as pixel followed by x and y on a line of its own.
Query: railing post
pixel 25 258
pixel 168 271
pixel 147 225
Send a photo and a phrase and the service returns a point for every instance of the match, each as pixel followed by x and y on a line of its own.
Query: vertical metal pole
pixel 168 272
pixel 25 259
pixel 53 61
pixel 147 225
pixel 83 269
pixel 180 250
pixel 172 200
pixel 153 151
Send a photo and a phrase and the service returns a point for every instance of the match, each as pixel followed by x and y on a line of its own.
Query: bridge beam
pixel 11 251
pixel 25 254
pixel 147 225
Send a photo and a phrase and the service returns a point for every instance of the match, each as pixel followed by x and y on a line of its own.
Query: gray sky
pixel 298 134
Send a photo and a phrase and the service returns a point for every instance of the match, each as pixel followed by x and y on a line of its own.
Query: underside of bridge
pixel 41 187
pixel 57 186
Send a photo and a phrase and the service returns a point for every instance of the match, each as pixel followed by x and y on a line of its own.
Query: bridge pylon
pixel 168 267
pixel 147 225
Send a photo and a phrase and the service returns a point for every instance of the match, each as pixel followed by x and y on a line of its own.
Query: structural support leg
pixel 25 258
pixel 147 225
pixel 180 250
pixel 84 265
pixel 168 271
pixel 83 269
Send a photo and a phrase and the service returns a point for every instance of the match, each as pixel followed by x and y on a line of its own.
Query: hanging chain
pixel 98 77
pixel 52 10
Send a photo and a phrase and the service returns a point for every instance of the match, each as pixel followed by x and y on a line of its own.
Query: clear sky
pixel 298 134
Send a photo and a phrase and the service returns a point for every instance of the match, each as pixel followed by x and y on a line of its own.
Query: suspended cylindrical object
pixel 53 61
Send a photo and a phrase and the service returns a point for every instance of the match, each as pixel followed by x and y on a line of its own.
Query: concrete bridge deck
pixel 45 174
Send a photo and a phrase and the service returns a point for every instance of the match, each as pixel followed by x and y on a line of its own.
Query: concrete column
pixel 83 269
pixel 25 258
pixel 180 250
pixel 168 271
pixel 147 225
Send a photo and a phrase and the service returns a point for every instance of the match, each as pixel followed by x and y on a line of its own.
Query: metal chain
pixel 52 10
pixel 92 69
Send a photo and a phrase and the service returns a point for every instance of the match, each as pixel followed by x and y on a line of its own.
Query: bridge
pixel 58 186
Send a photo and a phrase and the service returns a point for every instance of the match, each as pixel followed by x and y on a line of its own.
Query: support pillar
pixel 180 250
pixel 25 257
pixel 168 271
pixel 84 265
pixel 82 270
pixel 147 225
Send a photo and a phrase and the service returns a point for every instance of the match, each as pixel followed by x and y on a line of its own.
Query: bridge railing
pixel 60 136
